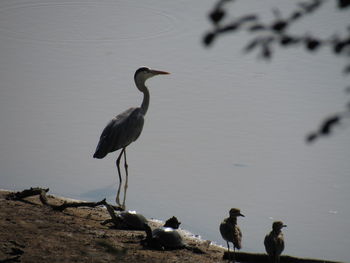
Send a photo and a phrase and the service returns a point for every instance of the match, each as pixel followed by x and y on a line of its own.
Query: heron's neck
pixel 145 102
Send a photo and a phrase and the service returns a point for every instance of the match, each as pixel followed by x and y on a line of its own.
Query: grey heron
pixel 274 242
pixel 126 127
pixel 230 231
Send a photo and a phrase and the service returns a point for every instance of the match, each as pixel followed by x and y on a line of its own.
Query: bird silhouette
pixel 274 242
pixel 230 231
pixel 126 127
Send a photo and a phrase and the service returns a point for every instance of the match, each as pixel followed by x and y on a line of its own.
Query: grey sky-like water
pixel 223 130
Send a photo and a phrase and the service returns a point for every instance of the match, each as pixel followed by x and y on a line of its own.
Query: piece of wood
pixel 26 193
pixel 77 204
pixel 43 198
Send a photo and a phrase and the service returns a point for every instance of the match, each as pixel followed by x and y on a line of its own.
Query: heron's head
pixel 142 74
pixel 278 225
pixel 234 212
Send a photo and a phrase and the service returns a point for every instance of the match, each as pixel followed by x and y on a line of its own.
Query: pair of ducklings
pixel 274 241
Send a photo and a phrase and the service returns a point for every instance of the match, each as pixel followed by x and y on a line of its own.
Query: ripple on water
pixel 90 21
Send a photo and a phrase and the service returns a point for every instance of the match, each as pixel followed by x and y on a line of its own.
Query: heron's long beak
pixel 159 72
pixel 284 225
pixel 241 214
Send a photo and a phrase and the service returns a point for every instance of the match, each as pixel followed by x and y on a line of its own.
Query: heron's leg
pixel 126 177
pixel 120 176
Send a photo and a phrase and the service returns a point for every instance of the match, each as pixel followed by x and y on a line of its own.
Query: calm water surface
pixel 223 130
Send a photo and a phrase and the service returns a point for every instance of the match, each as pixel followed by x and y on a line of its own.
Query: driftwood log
pixel 28 192
pixel 43 198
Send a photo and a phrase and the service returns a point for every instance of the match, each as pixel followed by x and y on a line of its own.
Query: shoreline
pixel 33 232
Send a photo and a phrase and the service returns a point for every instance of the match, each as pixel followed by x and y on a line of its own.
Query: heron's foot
pixel 118 202
pixel 119 206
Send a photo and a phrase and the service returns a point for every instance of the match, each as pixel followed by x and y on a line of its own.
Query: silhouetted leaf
pixel 338 47
pixel 217 15
pixel 343 4
pixel 312 44
pixel 208 38
pixel 328 124
pixel 279 25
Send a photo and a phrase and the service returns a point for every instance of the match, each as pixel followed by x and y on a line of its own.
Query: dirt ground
pixel 32 232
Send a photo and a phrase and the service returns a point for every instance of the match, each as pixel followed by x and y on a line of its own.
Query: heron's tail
pixel 99 154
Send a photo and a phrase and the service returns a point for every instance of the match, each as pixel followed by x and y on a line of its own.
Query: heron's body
pixel 122 130
pixel 230 231
pixel 274 242
pixel 126 127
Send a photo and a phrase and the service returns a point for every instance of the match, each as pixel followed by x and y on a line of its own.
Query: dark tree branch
pixel 266 36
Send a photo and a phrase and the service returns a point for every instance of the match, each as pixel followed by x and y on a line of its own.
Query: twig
pixel 27 192
pixel 77 204
pixel 43 198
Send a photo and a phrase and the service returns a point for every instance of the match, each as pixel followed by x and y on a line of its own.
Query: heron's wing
pixel 120 132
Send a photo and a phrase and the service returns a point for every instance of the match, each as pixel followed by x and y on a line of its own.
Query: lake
pixel 224 130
